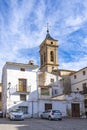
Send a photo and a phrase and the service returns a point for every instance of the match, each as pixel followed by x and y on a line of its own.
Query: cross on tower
pixel 47 27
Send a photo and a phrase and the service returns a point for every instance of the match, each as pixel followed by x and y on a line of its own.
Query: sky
pixel 23 26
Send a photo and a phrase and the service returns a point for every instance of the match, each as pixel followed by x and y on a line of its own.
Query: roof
pixel 79 70
pixel 67 70
pixel 49 37
pixel 22 65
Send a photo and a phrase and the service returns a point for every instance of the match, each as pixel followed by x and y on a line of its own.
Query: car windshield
pixel 16 111
pixel 56 111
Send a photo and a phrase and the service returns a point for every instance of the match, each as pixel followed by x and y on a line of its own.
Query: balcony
pixel 23 90
pixel 84 91
pixel 44 93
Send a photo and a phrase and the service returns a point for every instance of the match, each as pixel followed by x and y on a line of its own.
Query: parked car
pixel 52 114
pixel 16 115
pixel 1 114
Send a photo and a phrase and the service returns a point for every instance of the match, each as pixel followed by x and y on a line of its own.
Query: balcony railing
pixel 84 91
pixel 23 90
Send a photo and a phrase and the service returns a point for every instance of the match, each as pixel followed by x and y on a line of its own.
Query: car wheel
pixel 10 119
pixel 60 119
pixel 50 118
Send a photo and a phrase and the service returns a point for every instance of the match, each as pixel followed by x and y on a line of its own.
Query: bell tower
pixel 48 54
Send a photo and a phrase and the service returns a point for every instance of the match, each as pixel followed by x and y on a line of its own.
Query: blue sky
pixel 23 28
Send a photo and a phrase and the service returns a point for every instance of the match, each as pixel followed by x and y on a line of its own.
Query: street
pixel 42 124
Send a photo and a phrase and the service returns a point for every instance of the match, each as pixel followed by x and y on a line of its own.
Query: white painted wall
pixel 11 73
pixel 79 80
pixel 60 105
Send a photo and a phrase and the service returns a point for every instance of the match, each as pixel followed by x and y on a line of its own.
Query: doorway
pixel 75 110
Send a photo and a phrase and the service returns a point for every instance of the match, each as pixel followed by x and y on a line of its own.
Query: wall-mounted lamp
pixel 9 85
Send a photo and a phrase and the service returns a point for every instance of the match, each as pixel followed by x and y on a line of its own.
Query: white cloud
pixel 82 62
pixel 23 26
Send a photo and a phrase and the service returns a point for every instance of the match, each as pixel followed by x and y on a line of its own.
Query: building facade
pixel 60 85
pixel 19 87
pixel 34 90
pixel 48 54
pixel 79 84
pixel 0 96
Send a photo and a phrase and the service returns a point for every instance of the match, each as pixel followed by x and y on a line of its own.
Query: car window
pixel 16 111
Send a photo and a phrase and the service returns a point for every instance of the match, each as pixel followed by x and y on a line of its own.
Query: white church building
pixel 34 89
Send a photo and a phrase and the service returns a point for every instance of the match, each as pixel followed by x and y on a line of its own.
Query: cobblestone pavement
pixel 39 124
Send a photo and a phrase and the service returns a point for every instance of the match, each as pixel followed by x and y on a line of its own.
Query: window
pixel 24 109
pixel 85 102
pixel 22 85
pixel 54 92
pixel 44 58
pixel 51 56
pixel 0 96
pixel 51 42
pixel 22 69
pixel 52 80
pixel 84 86
pixel 22 97
pixel 45 91
pixel 84 72
pixel 75 77
pixel 48 106
pixel 41 59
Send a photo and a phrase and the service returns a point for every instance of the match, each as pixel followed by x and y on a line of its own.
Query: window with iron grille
pixel 24 109
pixel 22 97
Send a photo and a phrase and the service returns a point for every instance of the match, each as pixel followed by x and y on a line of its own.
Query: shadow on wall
pixel 29 107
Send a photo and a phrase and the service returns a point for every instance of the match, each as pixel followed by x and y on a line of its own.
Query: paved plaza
pixel 42 124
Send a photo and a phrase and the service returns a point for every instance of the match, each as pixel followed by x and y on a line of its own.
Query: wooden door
pixel 75 110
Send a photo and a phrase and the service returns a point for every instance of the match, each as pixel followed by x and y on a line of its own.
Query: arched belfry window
pixel 41 59
pixel 51 56
pixel 44 57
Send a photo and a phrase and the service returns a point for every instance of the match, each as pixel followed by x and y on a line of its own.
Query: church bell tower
pixel 49 54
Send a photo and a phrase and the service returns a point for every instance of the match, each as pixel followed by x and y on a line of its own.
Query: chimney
pixel 31 62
